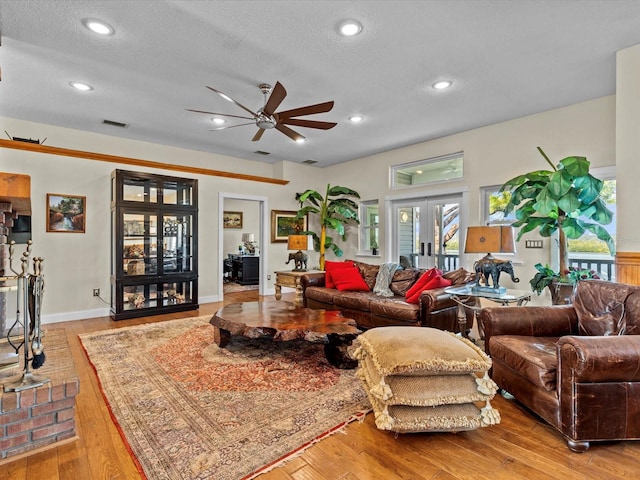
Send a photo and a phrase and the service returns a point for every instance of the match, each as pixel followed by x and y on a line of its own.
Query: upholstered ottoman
pixel 422 379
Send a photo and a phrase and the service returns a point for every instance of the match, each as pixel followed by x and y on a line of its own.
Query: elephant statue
pixel 300 258
pixel 491 267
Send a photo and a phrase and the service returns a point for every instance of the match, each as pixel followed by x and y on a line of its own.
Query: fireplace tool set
pixel 30 287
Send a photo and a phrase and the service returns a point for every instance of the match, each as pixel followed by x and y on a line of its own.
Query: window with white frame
pixel 493 203
pixel 431 170
pixel 369 226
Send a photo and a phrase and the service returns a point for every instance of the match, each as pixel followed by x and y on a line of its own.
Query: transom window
pixel 432 170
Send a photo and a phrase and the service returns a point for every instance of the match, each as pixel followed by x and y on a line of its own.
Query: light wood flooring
pixel 521 447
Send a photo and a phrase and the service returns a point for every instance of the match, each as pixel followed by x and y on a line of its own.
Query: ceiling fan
pixel 266 117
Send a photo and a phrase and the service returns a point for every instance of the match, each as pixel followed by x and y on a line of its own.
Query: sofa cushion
pixel 369 273
pixel 395 307
pixel 354 300
pixel 349 279
pixel 420 351
pixel 459 276
pixel 436 282
pixel 601 307
pixel 536 361
pixel 321 294
pixel 422 281
pixel 329 267
pixel 403 280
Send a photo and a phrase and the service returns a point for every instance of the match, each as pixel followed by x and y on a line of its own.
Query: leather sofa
pixel 435 308
pixel 576 366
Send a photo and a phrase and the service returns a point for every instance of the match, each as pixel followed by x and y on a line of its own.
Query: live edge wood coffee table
pixel 282 321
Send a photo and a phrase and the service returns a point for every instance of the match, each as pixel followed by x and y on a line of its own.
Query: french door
pixel 427 232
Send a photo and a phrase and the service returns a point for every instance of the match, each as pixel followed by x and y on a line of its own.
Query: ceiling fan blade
pixel 232 126
pixel 300 122
pixel 214 113
pixel 275 99
pixel 289 133
pixel 308 110
pixel 228 98
pixel 258 135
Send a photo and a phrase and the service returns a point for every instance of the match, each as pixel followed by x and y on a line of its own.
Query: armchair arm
pixel 599 359
pixel 312 280
pixel 436 300
pixel 535 321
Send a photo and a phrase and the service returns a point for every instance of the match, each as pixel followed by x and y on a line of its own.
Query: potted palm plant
pixel 334 210
pixel 565 199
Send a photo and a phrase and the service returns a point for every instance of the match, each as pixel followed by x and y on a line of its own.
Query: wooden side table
pixel 289 278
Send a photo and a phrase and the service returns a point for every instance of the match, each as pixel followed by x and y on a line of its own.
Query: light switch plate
pixel 533 244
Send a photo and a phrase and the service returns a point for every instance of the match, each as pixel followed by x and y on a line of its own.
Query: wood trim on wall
pixel 628 267
pixel 103 157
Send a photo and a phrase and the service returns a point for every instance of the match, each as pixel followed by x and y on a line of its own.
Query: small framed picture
pixel 285 223
pixel 66 213
pixel 232 219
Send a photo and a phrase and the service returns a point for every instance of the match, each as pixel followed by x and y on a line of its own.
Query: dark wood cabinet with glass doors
pixel 154 253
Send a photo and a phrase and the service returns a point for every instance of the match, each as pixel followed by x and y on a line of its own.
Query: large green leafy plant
pixel 566 199
pixel 334 210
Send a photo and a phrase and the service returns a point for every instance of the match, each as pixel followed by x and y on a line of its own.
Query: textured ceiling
pixel 506 59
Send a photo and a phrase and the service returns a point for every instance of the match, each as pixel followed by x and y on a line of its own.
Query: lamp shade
pixel 248 237
pixel 493 239
pixel 300 242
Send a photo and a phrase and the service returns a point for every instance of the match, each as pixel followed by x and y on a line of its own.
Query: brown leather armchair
pixel 576 366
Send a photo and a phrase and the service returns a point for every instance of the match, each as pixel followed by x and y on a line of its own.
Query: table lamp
pixel 491 239
pixel 249 241
pixel 299 243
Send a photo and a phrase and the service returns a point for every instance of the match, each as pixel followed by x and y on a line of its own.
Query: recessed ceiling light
pixel 98 26
pixel 418 172
pixel 219 121
pixel 442 84
pixel 301 140
pixel 349 28
pixel 84 87
pixel 356 118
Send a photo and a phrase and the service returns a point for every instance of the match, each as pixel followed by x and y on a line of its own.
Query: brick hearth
pixel 43 417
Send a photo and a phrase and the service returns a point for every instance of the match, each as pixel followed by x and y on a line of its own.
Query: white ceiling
pixel 507 59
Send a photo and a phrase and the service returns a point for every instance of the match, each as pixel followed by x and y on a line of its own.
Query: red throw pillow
pixel 422 281
pixel 332 266
pixel 436 282
pixel 349 279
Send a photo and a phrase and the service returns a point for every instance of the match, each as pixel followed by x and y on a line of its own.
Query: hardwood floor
pixel 521 447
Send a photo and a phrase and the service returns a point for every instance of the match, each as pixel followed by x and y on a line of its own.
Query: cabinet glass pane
pixel 176 193
pixel 140 244
pixel 140 190
pixel 177 245
pixel 177 292
pixel 140 296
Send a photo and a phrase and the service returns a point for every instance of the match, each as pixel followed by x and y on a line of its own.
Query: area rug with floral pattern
pixel 190 410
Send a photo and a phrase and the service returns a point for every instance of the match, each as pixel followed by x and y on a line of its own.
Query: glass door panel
pixel 140 244
pixel 427 232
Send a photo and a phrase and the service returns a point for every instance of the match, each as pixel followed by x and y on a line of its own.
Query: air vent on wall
pixel 260 152
pixel 115 124
pixel 310 162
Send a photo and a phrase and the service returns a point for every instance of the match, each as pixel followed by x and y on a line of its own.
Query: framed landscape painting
pixel 65 213
pixel 232 220
pixel 285 223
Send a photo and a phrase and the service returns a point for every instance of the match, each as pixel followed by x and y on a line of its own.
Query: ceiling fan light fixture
pixel 218 120
pixel 349 28
pixel 98 26
pixel 441 85
pixel 83 87
pixel 356 118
